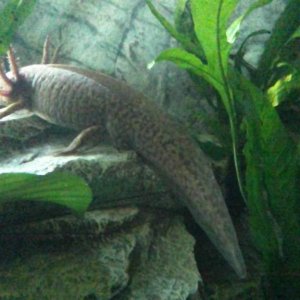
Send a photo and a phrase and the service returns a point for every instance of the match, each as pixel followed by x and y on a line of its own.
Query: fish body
pixel 78 99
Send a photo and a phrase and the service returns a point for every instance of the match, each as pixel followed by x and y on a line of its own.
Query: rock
pixel 122 253
pixel 116 178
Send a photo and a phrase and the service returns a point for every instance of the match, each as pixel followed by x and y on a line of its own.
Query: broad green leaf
pixel 211 20
pixel 11 17
pixel 262 231
pixel 233 30
pixel 60 188
pixel 190 62
pixel 271 174
pixel 183 23
pixel 278 150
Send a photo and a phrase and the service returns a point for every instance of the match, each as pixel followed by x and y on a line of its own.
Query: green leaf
pixel 211 20
pixel 261 230
pixel 210 24
pixel 296 34
pixel 271 174
pixel 190 62
pixel 12 16
pixel 60 188
pixel 278 92
pixel 284 28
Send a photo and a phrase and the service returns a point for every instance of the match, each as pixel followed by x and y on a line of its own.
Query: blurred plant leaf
pixel 180 9
pixel 261 230
pixel 183 22
pixel 278 92
pixel 287 24
pixel 211 146
pixel 296 34
pixel 271 172
pixel 12 16
pixel 60 188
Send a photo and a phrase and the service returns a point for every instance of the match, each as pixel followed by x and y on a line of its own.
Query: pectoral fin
pixel 79 140
pixel 8 110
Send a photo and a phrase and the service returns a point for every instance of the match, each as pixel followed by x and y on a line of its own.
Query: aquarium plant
pixel 264 150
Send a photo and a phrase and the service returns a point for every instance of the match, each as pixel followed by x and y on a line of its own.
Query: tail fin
pixel 184 165
pixel 211 213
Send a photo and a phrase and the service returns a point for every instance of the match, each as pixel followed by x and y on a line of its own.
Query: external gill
pixel 7 91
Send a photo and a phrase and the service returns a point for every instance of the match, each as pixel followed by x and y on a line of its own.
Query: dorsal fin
pixel 114 85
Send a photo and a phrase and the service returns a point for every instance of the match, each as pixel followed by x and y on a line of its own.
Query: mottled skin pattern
pixel 75 98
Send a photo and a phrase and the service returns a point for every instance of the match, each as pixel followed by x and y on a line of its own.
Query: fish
pixel 93 102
